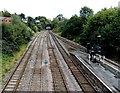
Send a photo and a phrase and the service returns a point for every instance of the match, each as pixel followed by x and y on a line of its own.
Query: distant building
pixel 119 4
pixel 5 19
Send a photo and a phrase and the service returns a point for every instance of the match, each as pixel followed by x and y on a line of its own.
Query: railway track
pixel 36 75
pixel 83 79
pixel 16 76
pixel 74 45
pixel 83 82
pixel 93 77
pixel 33 74
pixel 59 82
pixel 107 63
pixel 77 47
pixel 34 84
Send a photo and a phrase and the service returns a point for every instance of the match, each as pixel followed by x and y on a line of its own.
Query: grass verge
pixel 8 62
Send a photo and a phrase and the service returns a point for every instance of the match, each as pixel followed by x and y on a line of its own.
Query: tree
pixel 60 17
pixel 6 14
pixel 1 13
pixel 55 22
pixel 14 35
pixel 22 16
pixel 72 28
pixel 36 18
pixel 85 12
pixel 106 23
pixel 42 21
pixel 30 21
pixel 35 28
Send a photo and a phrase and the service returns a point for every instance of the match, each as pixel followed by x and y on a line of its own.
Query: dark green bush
pixel 14 34
pixel 107 24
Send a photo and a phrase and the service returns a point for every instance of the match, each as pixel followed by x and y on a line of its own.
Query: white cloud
pixel 51 8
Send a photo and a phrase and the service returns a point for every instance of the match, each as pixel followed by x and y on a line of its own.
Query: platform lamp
pixel 98 38
pixel 99 48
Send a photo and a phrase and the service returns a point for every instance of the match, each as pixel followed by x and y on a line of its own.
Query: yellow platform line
pixel 109 65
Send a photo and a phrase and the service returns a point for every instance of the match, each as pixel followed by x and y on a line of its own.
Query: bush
pixel 72 28
pixel 15 34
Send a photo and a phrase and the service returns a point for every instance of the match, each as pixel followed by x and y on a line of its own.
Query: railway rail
pixel 59 82
pixel 84 79
pixel 81 48
pixel 72 44
pixel 32 73
pixel 36 75
pixel 83 82
pixel 14 80
pixel 110 65
pixel 95 79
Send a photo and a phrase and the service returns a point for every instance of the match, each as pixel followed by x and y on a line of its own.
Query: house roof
pixel 1 18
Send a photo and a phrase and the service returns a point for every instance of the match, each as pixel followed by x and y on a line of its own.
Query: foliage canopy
pixel 14 34
pixel 86 27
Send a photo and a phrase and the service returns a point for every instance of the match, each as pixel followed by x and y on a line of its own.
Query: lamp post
pixel 96 48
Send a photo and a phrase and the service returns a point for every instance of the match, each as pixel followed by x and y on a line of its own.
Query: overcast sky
pixel 51 8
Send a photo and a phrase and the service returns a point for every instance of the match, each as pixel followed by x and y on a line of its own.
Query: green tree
pixel 1 13
pixel 55 22
pixel 72 28
pixel 85 12
pixel 22 16
pixel 106 23
pixel 42 22
pixel 30 21
pixel 60 17
pixel 14 35
pixel 6 14
pixel 35 28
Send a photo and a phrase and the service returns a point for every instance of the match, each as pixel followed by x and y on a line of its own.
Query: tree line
pixel 87 27
pixel 19 31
